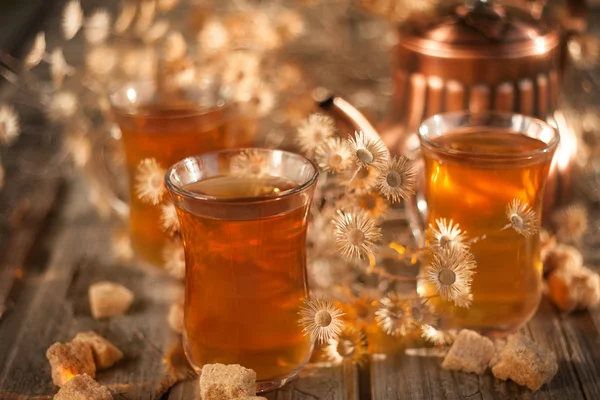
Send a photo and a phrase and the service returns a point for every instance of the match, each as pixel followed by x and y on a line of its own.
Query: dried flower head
pixel 150 185
pixel 101 60
pixel 78 147
pixel 173 256
pixel 320 319
pixel 174 47
pixel 356 233
pixel 240 67
pixel 436 336
pixel 447 233
pixel 371 203
pixel 333 155
pixel 97 26
pixel 314 131
pixel 72 18
pixel 368 152
pixel 213 38
pixel 351 344
pixel 168 218
pixel 58 67
pixel 451 270
pixel 147 12
pixel 9 124
pixel 62 106
pixel 463 300
pixel 362 180
pixel 522 218
pixel 570 223
pixel 257 98
pixel 125 17
pixel 167 5
pixel 290 24
pixel 37 51
pixel 157 31
pixel 263 33
pixel 397 179
pixel 394 315
pixel 249 162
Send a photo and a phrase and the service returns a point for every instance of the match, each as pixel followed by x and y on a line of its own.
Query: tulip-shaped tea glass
pixel 481 171
pixel 166 126
pixel 243 217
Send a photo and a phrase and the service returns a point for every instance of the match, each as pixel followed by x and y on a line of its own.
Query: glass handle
pixel 104 179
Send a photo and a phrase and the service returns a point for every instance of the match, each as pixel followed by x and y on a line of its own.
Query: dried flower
pixel 368 152
pixel 72 18
pixel 371 203
pixel 263 33
pixel 320 319
pixel 173 256
pixel 37 51
pixel 58 67
pixel 570 223
pixel 101 60
pixel 175 47
pixel 62 106
pixel 97 26
pixel 463 300
pixel 290 24
pixel 79 148
pixel 447 233
pixel 394 315
pixel 249 162
pixel 145 16
pixel 362 180
pixel 213 38
pixel 333 155
pixel 240 67
pixel 435 336
pixel 522 218
pixel 314 131
pixel 258 99
pixel 139 63
pixel 150 186
pixel 167 5
pixel 351 344
pixel 9 124
pixel 121 246
pixel 157 31
pixel 356 234
pixel 168 218
pixel 125 17
pixel 451 271
pixel 397 179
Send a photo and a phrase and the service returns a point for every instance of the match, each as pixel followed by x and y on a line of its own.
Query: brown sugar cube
pixel 226 382
pixel 83 387
pixel 250 398
pixel 562 257
pixel 108 299
pixel 574 290
pixel 525 362
pixel 70 359
pixel 470 352
pixel 105 353
pixel 175 317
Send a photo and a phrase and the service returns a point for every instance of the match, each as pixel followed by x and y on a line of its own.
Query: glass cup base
pixel 268 385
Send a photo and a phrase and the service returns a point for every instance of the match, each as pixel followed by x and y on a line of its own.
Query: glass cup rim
pixel 220 103
pixel 172 187
pixel 548 147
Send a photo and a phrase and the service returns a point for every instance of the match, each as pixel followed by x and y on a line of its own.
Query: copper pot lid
pixel 483 30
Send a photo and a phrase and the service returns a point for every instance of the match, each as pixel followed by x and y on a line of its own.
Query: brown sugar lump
pixel 175 317
pixel 562 257
pixel 525 362
pixel 250 398
pixel 226 382
pixel 470 352
pixel 105 353
pixel 83 387
pixel 109 299
pixel 70 359
pixel 574 290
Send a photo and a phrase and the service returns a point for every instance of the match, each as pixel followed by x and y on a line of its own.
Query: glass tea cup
pixel 166 126
pixel 243 218
pixel 475 167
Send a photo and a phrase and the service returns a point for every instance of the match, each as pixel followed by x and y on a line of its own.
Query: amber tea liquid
pixel 169 133
pixel 245 278
pixel 474 191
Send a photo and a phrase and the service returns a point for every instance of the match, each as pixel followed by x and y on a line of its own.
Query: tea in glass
pixel 167 128
pixel 245 250
pixel 475 165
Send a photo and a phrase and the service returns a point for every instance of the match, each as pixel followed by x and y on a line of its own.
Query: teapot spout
pixel 348 115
